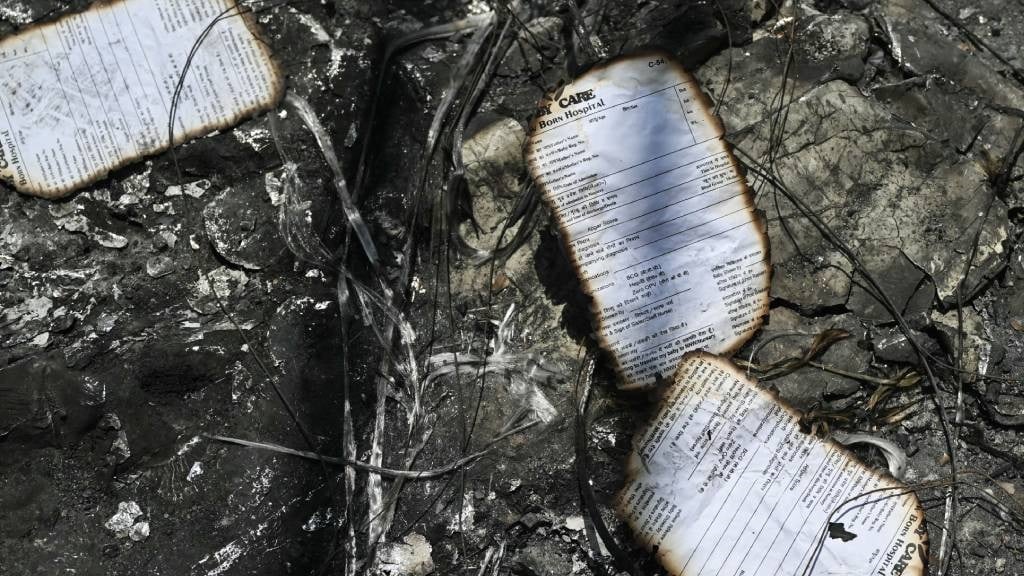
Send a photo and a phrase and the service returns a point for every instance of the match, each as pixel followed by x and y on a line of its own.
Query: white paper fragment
pixel 123 521
pixel 139 532
pixel 91 92
pixel 195 471
pixel 654 212
pixel 410 557
pixel 724 483
pixel 894 455
pixel 194 189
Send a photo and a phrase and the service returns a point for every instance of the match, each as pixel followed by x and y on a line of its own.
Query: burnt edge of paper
pixel 276 93
pixel 735 371
pixel 707 108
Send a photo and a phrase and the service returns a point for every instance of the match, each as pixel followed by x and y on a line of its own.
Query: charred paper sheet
pixel 724 483
pixel 654 212
pixel 92 92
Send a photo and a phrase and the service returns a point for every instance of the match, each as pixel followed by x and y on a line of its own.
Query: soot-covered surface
pixel 118 358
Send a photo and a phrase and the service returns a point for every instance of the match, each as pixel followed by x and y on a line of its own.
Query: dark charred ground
pixel 116 358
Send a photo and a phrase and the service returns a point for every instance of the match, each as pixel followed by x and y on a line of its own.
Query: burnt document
pixel 654 213
pixel 94 91
pixel 724 483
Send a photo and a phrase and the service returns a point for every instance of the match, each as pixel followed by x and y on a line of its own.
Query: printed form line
pixel 674 218
pixel 606 109
pixel 597 178
pixel 619 206
pixel 726 231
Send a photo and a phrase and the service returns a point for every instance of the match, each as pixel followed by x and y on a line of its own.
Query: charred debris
pixel 345 336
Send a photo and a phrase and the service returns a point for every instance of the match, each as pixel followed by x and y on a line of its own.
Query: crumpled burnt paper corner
pixel 92 92
pixel 723 482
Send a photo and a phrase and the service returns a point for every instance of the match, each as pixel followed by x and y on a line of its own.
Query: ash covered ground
pixel 151 311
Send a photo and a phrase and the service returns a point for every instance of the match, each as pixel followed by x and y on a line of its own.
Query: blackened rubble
pixel 116 357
